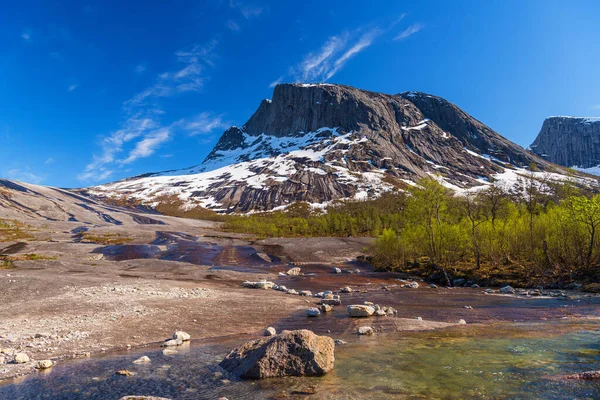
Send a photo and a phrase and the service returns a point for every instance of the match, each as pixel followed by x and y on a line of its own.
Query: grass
pixel 12 231
pixel 106 238
pixel 6 262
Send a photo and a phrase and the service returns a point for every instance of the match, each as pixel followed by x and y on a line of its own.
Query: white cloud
pixel 143 132
pixel 233 26
pixel 139 69
pixel 49 161
pixel 276 82
pixel 411 30
pixel 26 36
pixel 204 122
pixel 332 56
pixel 147 146
pixel 24 176
pixel 72 87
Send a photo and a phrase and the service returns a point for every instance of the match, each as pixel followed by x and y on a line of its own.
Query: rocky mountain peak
pixel 322 142
pixel 570 141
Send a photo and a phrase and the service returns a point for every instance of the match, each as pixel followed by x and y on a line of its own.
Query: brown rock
pixel 291 353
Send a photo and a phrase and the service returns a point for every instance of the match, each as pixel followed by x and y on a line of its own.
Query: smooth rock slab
pixel 291 353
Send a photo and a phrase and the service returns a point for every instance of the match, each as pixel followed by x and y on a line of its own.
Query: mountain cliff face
pixel 322 142
pixel 570 141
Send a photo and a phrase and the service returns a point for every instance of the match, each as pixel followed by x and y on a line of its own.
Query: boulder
pixel 270 331
pixel 326 308
pixel 380 313
pixel 365 331
pixel 180 335
pixel 312 312
pixel 21 358
pixel 333 301
pixel 337 270
pixel 291 291
pixel 124 372
pixel 346 289
pixel 44 364
pixel 360 310
pixel 462 322
pixel 294 271
pixel 412 285
pixel 291 353
pixel 306 293
pixel 433 286
pixel 459 282
pixel 507 290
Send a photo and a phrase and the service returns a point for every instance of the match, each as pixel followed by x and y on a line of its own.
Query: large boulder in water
pixel 291 353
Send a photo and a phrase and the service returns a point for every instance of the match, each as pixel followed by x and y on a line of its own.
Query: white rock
pixel 181 335
pixel 360 310
pixel 507 290
pixel 21 358
pixel 44 364
pixel 270 331
pixel 346 289
pixel 142 360
pixel 172 342
pixel 462 322
pixel 337 270
pixel 294 271
pixel 313 312
pixel 365 330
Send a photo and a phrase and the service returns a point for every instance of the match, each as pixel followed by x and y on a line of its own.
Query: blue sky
pixel 97 91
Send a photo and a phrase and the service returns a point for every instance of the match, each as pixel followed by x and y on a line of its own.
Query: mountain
pixel 571 142
pixel 322 142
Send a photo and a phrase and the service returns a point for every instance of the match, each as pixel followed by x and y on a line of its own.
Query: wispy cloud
pixel 333 55
pixel 70 88
pixel 24 176
pixel 140 69
pixel 411 30
pixel 26 36
pixel 148 145
pixel 202 123
pixel 49 161
pixel 276 82
pixel 142 132
pixel 233 26
pixel 248 10
pixel 595 107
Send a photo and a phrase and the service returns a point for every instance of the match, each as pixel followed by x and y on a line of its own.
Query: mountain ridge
pixel 324 142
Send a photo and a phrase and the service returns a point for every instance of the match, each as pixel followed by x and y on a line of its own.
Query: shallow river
pixel 499 361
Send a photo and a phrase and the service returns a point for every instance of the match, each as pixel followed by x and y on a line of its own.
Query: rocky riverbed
pixel 94 301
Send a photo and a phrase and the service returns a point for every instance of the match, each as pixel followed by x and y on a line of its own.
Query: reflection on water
pixel 503 361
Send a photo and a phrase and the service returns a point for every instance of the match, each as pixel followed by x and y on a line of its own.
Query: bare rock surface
pixel 290 353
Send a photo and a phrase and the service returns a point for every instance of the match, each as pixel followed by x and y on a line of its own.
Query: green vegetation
pixel 6 261
pixel 12 231
pixel 540 233
pixel 105 238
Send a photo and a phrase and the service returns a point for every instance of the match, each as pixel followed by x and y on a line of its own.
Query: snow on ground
pixel 591 170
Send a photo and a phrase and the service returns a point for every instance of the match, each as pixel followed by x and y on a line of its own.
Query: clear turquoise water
pixel 507 361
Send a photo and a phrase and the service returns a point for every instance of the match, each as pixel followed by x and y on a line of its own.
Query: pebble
pixel 142 360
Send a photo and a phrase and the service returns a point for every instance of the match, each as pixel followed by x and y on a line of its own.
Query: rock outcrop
pixel 569 141
pixel 290 353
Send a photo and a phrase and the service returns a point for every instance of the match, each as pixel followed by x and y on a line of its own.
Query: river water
pixel 497 361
